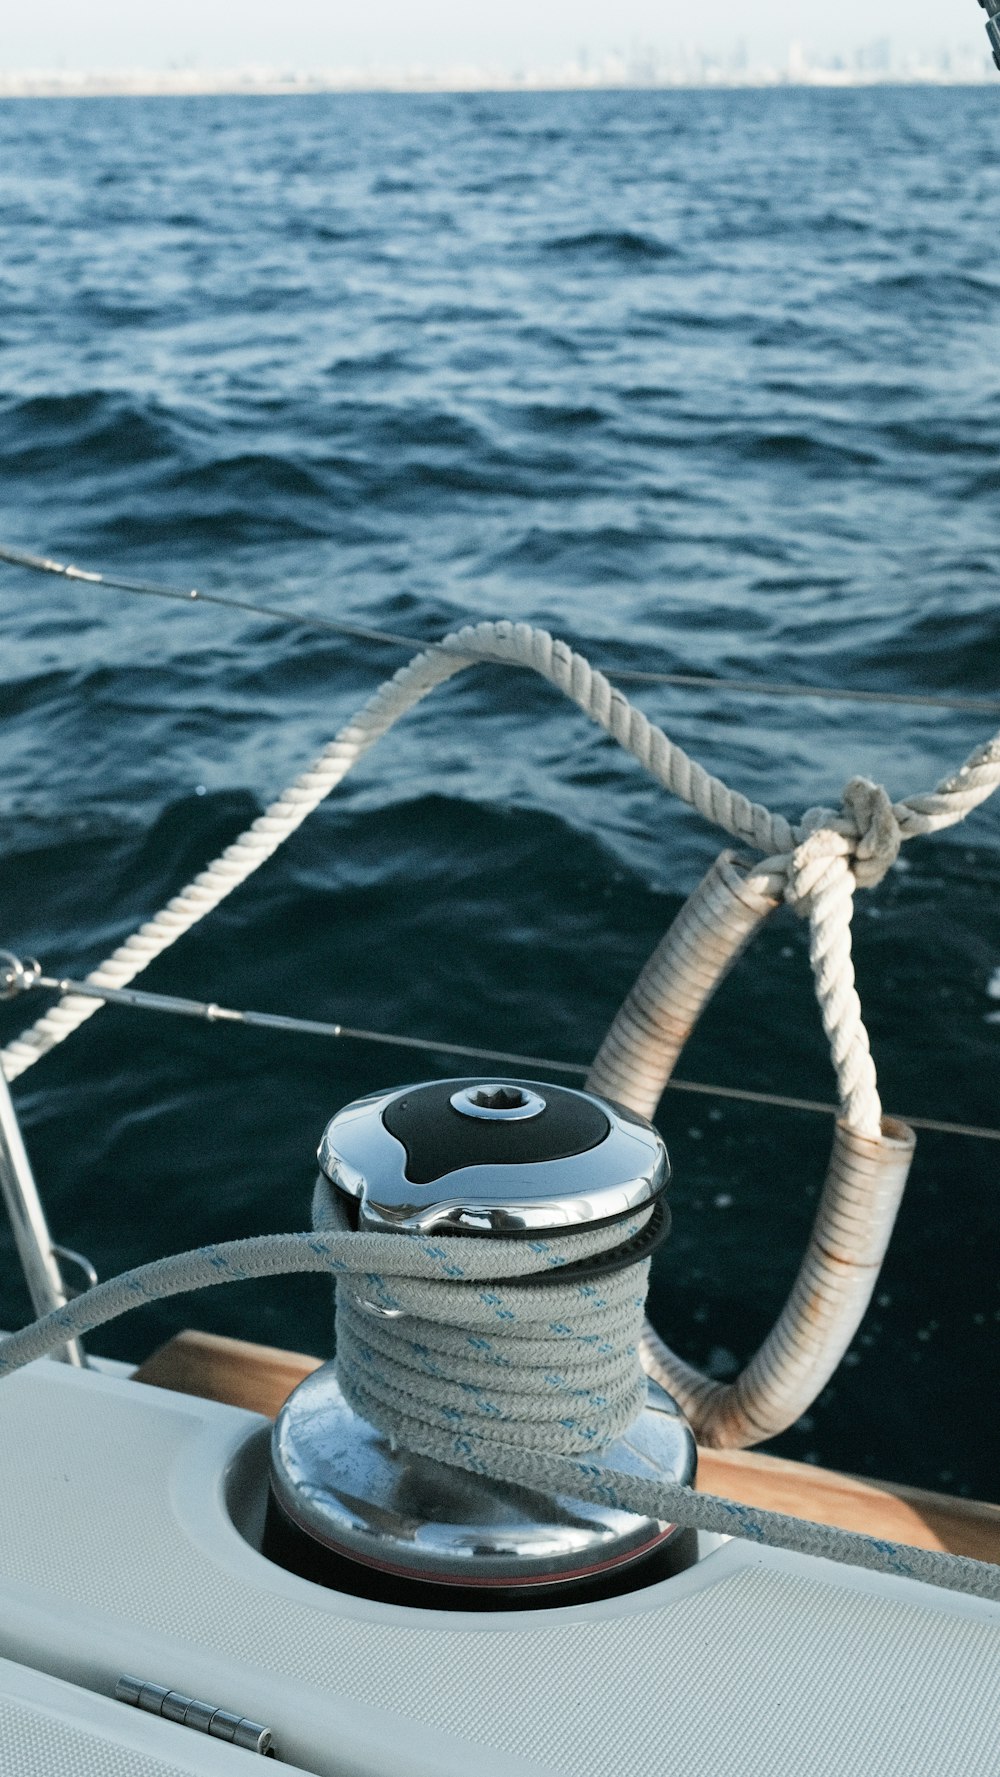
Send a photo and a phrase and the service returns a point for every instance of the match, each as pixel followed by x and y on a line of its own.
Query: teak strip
pixel 877 1508
pixel 260 1378
pixel 229 1370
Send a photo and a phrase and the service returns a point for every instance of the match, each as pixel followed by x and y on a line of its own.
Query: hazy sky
pixel 305 33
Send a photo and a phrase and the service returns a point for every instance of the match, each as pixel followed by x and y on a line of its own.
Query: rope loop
pixel 806 860
pixel 815 866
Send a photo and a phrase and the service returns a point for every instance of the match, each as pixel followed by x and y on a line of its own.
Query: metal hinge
pixel 238 1730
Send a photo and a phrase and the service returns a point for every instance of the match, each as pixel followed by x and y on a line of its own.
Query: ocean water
pixel 706 382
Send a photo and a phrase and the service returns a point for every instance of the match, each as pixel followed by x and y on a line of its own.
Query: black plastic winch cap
pixel 439 1140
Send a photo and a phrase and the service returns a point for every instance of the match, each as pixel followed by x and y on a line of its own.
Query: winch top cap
pixel 491 1123
pixel 490 1155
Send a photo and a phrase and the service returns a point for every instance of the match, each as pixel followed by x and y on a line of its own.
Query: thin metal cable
pixel 212 1013
pixel 39 564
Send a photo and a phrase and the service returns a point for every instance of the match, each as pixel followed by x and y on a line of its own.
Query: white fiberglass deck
pixel 118 1553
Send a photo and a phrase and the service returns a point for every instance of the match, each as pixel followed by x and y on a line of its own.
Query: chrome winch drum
pixel 346 1509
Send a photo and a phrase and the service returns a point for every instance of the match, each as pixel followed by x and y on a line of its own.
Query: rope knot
pixel 879 835
pixel 865 836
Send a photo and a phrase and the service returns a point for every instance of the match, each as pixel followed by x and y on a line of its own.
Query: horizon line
pixel 181 83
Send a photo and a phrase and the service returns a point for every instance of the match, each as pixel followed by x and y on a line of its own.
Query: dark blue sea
pixel 706 382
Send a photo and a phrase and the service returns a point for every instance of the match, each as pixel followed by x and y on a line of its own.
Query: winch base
pixel 298 1553
pixel 351 1511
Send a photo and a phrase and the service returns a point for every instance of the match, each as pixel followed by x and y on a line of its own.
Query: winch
pixel 353 1508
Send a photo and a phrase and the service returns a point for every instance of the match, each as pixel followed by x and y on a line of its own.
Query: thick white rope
pixel 408 1259
pixel 855 1215
pixel 819 861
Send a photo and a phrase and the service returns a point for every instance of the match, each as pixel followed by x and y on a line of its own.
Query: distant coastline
pixel 701 73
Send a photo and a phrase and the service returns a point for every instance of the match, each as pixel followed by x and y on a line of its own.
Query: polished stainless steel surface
pixel 340 1481
pixel 191 1712
pixel 498 1103
pixel 626 1170
pixel 27 1220
pixel 17 977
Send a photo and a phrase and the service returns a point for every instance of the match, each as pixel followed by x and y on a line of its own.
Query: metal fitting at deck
pixel 190 1712
pixel 35 1248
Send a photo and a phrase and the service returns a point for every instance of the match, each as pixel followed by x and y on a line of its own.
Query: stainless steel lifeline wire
pixel 40 564
pixel 21 977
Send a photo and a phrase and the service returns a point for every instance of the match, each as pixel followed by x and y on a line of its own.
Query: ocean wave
pixel 623 244
pixel 929 291
pixel 601 554
pixel 252 478
pixel 557 417
pixel 88 430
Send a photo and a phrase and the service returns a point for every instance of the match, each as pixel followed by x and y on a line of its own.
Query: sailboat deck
pixel 129 1544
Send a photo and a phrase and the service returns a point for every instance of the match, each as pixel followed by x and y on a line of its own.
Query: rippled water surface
pixel 706 382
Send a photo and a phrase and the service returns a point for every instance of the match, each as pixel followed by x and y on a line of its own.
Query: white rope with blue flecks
pixel 396 1265
pixel 552 1365
pixel 544 1367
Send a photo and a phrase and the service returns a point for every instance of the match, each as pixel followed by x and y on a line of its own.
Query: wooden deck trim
pixel 261 1378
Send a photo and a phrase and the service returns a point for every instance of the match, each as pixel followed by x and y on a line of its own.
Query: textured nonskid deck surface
pixel 118 1553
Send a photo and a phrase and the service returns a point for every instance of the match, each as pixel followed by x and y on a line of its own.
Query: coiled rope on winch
pixel 471 1430
pixel 814 865
pixel 552 1366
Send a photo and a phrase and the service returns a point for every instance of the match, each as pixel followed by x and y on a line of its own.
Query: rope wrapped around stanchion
pixel 814 865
